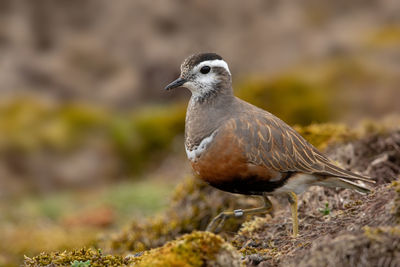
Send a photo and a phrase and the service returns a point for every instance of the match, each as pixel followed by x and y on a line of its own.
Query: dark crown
pixel 195 59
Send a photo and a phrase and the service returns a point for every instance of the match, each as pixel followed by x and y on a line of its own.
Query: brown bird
pixel 237 147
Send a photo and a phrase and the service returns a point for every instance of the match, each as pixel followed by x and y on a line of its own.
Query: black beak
pixel 178 82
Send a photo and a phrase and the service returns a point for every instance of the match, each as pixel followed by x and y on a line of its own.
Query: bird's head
pixel 204 75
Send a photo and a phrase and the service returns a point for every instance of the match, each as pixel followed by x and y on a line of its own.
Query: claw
pixel 216 224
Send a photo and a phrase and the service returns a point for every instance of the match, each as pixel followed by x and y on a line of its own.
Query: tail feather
pixel 331 169
pixel 344 183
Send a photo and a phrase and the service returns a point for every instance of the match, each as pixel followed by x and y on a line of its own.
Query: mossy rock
pixel 192 250
pixel 67 258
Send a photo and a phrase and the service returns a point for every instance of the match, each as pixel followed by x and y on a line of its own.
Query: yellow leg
pixel 293 207
pixel 216 224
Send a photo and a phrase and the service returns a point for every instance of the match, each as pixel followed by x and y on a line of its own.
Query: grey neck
pixel 204 117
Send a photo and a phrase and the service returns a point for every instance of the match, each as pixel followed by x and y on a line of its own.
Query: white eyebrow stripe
pixel 213 63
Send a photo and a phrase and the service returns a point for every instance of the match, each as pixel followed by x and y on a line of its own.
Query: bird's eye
pixel 205 69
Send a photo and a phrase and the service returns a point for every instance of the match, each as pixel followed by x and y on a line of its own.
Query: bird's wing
pixel 269 142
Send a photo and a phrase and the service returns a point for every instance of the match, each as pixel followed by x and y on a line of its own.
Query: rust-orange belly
pixel 224 165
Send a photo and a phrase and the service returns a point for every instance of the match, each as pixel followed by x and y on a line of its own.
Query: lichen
pixel 191 250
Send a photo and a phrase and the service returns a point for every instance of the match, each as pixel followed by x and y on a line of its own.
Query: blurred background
pixel 88 138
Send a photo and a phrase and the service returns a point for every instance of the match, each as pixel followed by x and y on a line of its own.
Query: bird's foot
pixel 218 222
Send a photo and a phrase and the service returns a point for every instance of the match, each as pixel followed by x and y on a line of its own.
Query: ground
pixel 337 226
pixel 269 241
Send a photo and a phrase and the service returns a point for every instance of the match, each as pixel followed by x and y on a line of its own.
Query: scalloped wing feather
pixel 270 142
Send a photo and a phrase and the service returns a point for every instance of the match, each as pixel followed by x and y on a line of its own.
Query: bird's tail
pixel 344 183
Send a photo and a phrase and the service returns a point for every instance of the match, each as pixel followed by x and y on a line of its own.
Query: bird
pixel 237 147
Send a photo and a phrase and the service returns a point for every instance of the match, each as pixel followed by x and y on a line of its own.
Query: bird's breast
pixel 220 161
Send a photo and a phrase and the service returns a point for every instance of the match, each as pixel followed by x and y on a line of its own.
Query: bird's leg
pixel 216 224
pixel 293 207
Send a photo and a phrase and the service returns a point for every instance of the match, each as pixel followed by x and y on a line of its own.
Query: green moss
pixel 151 131
pixel 322 135
pixel 291 97
pixel 191 250
pixel 27 124
pixel 252 226
pixel 76 263
pixel 14 242
pixel 66 258
pixel 344 73
pixel 31 126
pixel 313 93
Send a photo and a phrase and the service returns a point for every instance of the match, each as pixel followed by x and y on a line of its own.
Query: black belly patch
pixel 251 185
